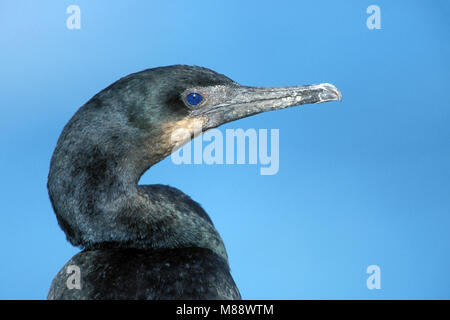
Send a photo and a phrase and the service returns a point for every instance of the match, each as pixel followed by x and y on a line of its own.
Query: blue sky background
pixel 362 182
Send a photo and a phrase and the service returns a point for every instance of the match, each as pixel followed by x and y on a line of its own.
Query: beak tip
pixel 339 95
pixel 334 91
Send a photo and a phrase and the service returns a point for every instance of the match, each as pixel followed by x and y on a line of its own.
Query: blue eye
pixel 194 98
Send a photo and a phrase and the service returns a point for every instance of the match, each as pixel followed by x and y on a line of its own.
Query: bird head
pixel 160 101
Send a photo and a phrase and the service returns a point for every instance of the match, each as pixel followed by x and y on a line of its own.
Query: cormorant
pixel 152 241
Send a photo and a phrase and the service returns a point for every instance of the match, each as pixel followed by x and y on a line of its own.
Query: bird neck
pixel 93 189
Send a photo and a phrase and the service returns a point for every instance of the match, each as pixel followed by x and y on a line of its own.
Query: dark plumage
pixel 183 273
pixel 148 242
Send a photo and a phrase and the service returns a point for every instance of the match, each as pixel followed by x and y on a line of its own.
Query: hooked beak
pixel 248 101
